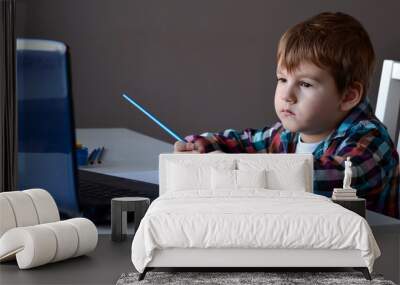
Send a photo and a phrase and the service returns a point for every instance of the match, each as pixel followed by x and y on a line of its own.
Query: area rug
pixel 273 278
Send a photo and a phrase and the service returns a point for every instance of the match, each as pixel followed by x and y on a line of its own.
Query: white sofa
pixel 31 231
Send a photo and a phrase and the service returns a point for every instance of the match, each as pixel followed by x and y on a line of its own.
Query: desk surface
pixel 128 154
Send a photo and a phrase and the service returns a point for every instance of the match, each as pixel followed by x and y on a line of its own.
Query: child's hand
pixel 196 147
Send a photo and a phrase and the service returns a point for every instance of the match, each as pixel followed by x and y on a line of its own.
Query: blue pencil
pixel 165 128
pixel 90 157
pixel 100 155
pixel 93 158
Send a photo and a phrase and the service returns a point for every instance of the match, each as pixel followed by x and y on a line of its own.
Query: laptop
pixel 46 137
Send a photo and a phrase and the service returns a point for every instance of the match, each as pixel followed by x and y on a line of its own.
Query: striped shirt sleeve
pixel 232 141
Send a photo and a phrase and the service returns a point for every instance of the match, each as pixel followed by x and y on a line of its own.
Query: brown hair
pixel 333 41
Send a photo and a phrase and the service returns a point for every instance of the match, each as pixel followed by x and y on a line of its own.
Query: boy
pixel 324 65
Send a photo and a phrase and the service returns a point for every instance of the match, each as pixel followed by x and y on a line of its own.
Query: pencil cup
pixel 82 156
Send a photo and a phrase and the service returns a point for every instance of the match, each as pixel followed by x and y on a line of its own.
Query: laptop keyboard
pixel 96 193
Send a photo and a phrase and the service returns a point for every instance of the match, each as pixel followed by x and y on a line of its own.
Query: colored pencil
pixel 165 128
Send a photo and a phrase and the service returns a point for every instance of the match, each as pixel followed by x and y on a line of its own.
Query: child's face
pixel 311 96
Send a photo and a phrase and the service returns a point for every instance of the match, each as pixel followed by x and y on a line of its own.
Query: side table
pixel 357 205
pixel 119 208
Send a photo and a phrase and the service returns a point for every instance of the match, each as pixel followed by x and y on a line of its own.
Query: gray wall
pixel 198 65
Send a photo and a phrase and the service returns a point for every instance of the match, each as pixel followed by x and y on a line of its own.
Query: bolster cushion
pixel 26 208
pixel 40 244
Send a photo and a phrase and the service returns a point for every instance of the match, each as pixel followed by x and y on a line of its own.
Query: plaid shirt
pixel 375 161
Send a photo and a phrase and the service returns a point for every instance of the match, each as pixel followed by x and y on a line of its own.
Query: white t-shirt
pixel 303 147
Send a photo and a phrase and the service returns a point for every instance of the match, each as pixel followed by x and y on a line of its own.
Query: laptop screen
pixel 46 131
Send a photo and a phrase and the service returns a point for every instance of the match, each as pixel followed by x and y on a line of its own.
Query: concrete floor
pixel 102 266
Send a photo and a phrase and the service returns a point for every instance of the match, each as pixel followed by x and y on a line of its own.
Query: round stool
pixel 119 208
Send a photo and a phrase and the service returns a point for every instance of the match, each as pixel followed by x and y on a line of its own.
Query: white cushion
pixel 87 233
pixel 223 179
pixel 188 175
pixel 66 237
pixel 237 179
pixel 251 178
pixel 26 208
pixel 45 206
pixel 285 165
pixel 40 244
pixel 295 180
pixel 7 218
pixel 282 174
pixel 23 208
pixel 34 244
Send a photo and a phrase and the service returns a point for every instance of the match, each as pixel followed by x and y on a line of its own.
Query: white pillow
pixel 292 180
pixel 236 179
pixel 251 178
pixel 183 175
pixel 223 179
pixel 282 174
